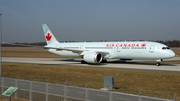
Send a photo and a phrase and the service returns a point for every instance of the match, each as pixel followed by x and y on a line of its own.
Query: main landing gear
pixel 158 62
pixel 83 62
pixel 104 61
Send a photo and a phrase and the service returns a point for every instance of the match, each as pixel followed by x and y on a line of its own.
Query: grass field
pixel 154 84
pixel 27 52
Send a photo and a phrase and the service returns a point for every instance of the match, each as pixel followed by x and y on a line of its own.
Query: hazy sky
pixel 82 20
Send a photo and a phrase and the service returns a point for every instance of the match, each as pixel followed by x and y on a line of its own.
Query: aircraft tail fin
pixel 50 38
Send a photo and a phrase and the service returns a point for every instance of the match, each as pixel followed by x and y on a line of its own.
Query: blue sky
pixel 90 20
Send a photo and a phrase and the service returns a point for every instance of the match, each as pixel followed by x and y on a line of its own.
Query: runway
pixel 135 65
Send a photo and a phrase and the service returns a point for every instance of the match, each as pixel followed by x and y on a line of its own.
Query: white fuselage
pixel 118 50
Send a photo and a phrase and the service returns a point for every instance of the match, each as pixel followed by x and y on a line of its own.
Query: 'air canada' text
pixel 126 45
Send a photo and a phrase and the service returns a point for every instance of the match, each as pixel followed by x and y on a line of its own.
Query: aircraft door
pixel 151 50
pixel 81 47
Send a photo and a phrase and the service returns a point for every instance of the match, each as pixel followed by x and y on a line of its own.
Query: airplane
pixel 99 52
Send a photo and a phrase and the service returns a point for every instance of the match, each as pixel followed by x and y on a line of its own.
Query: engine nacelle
pixel 92 57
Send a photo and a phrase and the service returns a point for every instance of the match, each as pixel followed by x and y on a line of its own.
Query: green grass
pixel 160 85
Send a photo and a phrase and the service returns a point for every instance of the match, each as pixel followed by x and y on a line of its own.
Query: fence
pixel 39 91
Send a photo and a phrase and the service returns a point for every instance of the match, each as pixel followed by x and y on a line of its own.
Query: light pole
pixel 0 44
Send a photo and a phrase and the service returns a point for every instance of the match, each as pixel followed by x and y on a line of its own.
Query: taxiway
pixel 135 65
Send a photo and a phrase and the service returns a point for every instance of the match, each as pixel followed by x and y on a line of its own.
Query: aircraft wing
pixel 80 52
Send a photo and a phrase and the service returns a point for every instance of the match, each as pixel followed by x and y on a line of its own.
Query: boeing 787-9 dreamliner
pixel 97 52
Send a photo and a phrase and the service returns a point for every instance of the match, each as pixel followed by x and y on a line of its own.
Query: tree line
pixel 174 43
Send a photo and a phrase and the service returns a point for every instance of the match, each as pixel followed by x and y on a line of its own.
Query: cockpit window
pixel 164 48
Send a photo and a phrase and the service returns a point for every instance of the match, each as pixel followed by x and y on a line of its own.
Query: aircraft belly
pixel 150 56
pixel 131 54
pixel 138 55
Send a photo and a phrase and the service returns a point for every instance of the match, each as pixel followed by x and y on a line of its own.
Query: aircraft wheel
pixel 158 64
pixel 104 61
pixel 83 62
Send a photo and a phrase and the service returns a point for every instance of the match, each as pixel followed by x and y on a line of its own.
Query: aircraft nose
pixel 172 54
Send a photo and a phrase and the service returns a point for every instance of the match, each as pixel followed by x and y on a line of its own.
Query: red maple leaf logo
pixel 143 45
pixel 48 37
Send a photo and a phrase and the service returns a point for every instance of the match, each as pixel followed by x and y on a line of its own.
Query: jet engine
pixel 93 57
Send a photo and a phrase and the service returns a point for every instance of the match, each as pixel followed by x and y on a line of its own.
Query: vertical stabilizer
pixel 49 37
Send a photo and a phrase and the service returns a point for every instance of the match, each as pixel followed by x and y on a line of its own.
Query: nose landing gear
pixel 158 62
